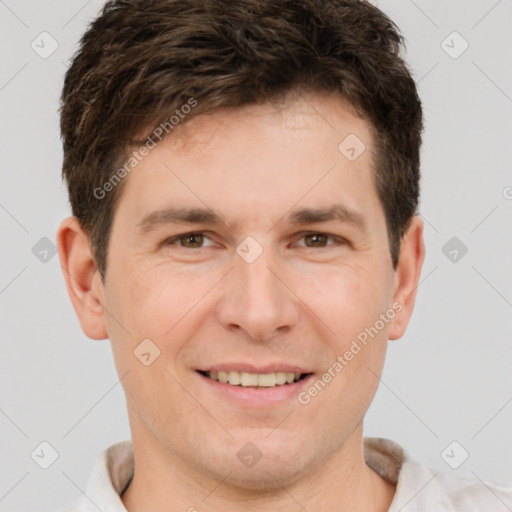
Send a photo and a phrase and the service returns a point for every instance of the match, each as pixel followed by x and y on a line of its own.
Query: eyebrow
pixel 337 212
pixel 178 216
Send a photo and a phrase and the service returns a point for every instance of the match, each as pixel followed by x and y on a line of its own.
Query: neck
pixel 163 482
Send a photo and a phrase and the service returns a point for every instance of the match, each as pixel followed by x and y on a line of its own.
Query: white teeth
pixel 280 378
pixel 234 378
pixel 248 379
pixel 267 380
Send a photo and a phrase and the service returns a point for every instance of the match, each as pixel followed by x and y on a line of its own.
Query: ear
pixel 407 275
pixel 82 278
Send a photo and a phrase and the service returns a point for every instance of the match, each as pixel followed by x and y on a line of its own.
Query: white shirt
pixel 419 488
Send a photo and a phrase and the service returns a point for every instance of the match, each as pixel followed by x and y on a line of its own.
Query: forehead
pixel 259 159
pixel 288 121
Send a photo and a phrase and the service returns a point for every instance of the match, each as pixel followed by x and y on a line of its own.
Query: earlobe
pixel 407 275
pixel 82 277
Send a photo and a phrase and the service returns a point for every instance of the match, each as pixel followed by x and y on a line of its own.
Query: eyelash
pixel 336 240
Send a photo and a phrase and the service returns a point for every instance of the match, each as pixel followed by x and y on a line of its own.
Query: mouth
pixel 254 380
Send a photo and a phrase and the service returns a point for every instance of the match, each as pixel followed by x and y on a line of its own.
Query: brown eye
pixel 316 240
pixel 197 240
pixel 191 240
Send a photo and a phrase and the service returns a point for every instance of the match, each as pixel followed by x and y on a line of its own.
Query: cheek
pixel 350 301
pixel 165 305
pixel 153 302
pixel 152 306
pixel 346 299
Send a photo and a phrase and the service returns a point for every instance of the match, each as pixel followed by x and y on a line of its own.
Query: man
pixel 244 180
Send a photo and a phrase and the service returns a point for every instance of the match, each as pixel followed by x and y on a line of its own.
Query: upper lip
pixel 251 368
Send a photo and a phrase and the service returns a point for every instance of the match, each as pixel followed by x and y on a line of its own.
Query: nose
pixel 258 299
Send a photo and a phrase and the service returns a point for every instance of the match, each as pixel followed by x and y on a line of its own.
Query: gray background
pixel 449 379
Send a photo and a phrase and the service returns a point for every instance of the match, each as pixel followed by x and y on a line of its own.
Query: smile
pixel 244 379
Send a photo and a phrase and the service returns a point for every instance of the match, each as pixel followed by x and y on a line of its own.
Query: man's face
pixel 290 298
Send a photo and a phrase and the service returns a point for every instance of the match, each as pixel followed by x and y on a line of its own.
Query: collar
pixel 418 487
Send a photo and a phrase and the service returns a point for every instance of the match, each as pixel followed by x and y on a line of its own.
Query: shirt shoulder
pixel 420 488
pixel 471 494
pixel 112 471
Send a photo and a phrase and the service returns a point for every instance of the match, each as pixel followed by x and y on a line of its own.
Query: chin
pixel 265 477
pixel 261 464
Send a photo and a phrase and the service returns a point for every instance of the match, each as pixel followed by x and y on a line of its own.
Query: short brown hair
pixel 140 60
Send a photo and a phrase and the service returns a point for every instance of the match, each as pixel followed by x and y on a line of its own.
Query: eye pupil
pixel 315 238
pixel 196 240
pixel 195 237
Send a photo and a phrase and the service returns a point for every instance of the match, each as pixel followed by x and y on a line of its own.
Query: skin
pixel 301 302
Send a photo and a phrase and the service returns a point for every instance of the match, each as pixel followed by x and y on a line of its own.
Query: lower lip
pixel 257 397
